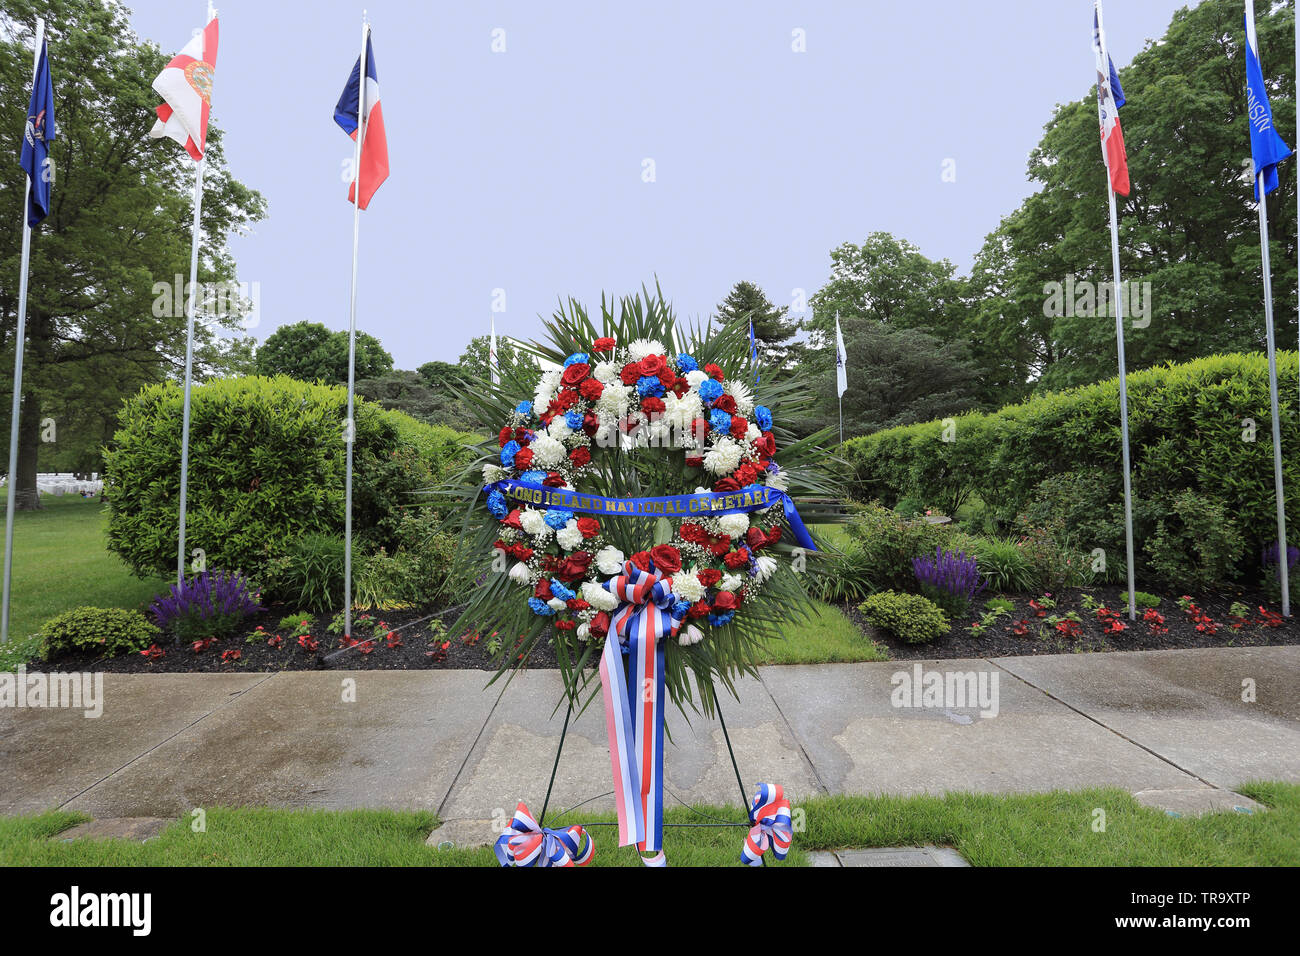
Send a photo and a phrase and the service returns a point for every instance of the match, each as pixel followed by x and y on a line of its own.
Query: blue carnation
pixel 687 364
pixel 710 389
pixel 557 518
pixel 560 591
pixel 720 421
pixel 574 420
pixel 535 476
pixel 540 607
pixel 496 503
pixel 680 608
pixel 524 408
pixel 508 452
pixel 648 385
pixel 717 620
pixel 577 357
pixel 763 416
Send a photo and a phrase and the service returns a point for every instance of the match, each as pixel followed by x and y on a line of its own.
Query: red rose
pixel 709 576
pixel 590 424
pixel 725 601
pixel 755 538
pixel 505 436
pixel 591 389
pixel 737 559
pixel 600 624
pixel 694 461
pixel 766 444
pixel 589 526
pixel 653 405
pixel 543 590
pixel 738 426
pixel 726 484
pixel 642 560
pixel 630 373
pixel 523 458
pixel 667 377
pixel 726 402
pixel 512 520
pixel 666 558
pixel 714 372
pixel 699 609
pixel 604 344
pixel 580 456
pixel 554 480
pixel 652 365
pixel 691 532
pixel 574 567
pixel 575 373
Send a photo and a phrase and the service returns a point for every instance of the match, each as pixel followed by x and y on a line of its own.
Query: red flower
pixel 574 567
pixel 580 456
pixel 231 655
pixel 765 444
pixel 693 533
pixel 774 534
pixel 725 601
pixel 714 372
pixel 720 545
pixel 737 559
pixel 565 625
pixel 590 424
pixel 589 526
pixel 600 624
pixel 604 344
pixel 567 398
pixel 738 426
pixel 653 405
pixel 726 484
pixel 709 576
pixel 666 558
pixel 505 436
pixel 667 377
pixel 745 474
pixel 642 560
pixel 575 373
pixel 726 402
pixel 512 520
pixel 543 590
pixel 591 389
pixel 393 640
pixel 699 609
pixel 694 461
pixel 631 373
pixel 553 479
pixel 577 604
pixel 275 641
pixel 307 642
pixel 755 539
pixel 153 652
pixel 680 386
pixel 652 365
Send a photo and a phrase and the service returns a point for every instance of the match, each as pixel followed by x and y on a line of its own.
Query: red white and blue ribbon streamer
pixel 634 705
pixel 526 843
pixel 772 828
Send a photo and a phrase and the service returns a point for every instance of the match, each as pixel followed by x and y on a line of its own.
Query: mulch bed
pixel 1002 639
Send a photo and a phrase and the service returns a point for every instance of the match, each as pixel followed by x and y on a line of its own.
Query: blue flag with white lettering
pixel 1266 146
pixel 37 133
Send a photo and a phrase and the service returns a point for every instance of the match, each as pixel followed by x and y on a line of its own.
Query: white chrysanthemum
pixel 607 373
pixel 534 522
pixel 735 525
pixel 519 573
pixel 598 597
pixel 557 604
pixel 614 401
pixel 777 480
pixel 743 396
pixel 492 474
pixel 687 586
pixel 546 389
pixel 731 582
pixel 723 457
pixel 569 537
pixel 693 379
pixel 766 567
pixel 609 560
pixel 680 412
pixel 640 348
pixel 689 635
pixel 547 452
pixel 559 428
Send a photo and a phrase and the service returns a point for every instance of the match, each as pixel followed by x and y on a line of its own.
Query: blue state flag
pixel 1266 147
pixel 37 134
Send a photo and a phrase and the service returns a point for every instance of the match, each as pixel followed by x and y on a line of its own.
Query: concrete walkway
pixel 438 740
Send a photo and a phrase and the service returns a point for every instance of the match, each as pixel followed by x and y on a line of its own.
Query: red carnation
pixel 554 480
pixel 693 533
pixel 505 436
pixel 512 520
pixel 591 389
pixel 523 458
pixel 666 558
pixel 642 560
pixel 726 402
pixel 709 576
pixel 694 461
pixel 653 405
pixel 575 373
pixel 738 426
pixel 714 372
pixel 605 344
pixel 725 601
pixel 699 609
pixel 745 474
pixel 580 456
pixel 630 374
pixel 567 398
pixel 564 624
pixel 737 559
pixel 589 526
pixel 652 365
pixel 774 534
pixel 576 604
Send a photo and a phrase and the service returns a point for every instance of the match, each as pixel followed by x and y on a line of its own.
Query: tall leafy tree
pixel 119 223
pixel 473 361
pixel 310 352
pixel 774 332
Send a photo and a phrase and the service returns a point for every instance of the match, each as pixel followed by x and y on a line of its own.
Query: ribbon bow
pixel 634 704
pixel 525 843
pixel 770 814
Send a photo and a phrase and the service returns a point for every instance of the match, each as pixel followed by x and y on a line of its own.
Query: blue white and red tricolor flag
pixel 1110 97
pixel 374 141
pixel 37 133
pixel 1266 147
pixel 185 85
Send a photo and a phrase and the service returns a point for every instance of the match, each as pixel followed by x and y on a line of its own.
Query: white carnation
pixel 693 379
pixel 731 582
pixel 533 522
pixel 607 373
pixel 766 568
pixel 752 433
pixel 556 604
pixel 598 597
pixel 547 452
pixel 640 348
pixel 687 586
pixel 609 560
pixel 723 457
pixel 583 632
pixel 735 524
pixel 519 573
pixel 569 537
pixel 559 428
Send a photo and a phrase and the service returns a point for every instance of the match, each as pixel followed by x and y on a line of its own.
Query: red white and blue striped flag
pixel 1110 97
pixel 374 144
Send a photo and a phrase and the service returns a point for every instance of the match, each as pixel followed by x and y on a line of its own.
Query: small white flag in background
pixel 493 373
pixel 841 361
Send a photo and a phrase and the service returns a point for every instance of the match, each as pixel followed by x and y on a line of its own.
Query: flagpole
pixel 19 341
pixel 1262 206
pixel 349 426
pixel 1118 300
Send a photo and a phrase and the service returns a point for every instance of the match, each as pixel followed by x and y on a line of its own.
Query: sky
pixel 542 151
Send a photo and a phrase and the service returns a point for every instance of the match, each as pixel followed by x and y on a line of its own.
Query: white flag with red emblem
pixel 186 88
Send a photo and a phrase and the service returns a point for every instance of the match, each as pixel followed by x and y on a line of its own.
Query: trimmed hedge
pixel 1186 432
pixel 267 462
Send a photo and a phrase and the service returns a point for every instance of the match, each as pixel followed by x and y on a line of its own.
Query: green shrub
pixel 909 617
pixel 267 466
pixel 1196 545
pixel 1185 424
pixel 884 544
pixel 1002 562
pixel 310 573
pixel 1141 599
pixel 106 630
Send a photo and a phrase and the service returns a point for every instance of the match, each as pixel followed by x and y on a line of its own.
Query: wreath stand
pixel 744 797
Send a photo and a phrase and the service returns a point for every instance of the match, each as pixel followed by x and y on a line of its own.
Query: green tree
pixel 473 361
pixel 119 224
pixel 310 352
pixel 420 395
pixel 774 332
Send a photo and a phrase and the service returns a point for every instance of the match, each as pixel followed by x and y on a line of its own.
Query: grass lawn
pixel 61 562
pixel 1025 830
pixel 828 636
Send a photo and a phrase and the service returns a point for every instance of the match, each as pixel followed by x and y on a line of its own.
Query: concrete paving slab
pixel 50 755
pixel 293 741
pixel 1196 803
pixel 135 829
pixel 1187 705
pixel 860 743
pixel 514 756
pixel 902 856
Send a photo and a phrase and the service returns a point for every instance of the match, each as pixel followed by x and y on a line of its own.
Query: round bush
pixel 267 461
pixel 909 617
pixel 107 630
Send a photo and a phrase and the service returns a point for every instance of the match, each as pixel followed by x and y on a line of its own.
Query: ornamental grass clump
pixel 208 605
pixel 950 579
